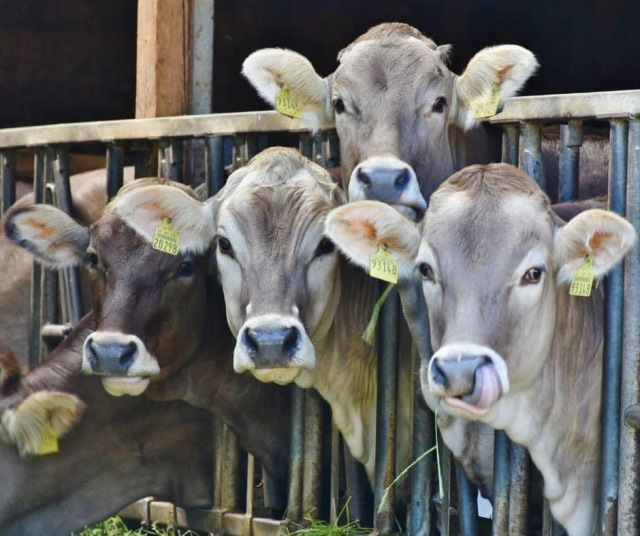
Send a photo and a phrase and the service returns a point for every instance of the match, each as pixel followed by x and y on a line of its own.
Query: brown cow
pixel 513 348
pixel 160 325
pixel 404 120
pixel 123 449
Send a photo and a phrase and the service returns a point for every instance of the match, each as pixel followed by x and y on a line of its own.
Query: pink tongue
pixel 486 392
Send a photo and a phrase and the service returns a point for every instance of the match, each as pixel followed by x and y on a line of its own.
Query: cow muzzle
pixel 122 360
pixel 273 348
pixel 391 181
pixel 470 378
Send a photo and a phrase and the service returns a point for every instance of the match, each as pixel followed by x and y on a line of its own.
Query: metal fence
pixel 522 119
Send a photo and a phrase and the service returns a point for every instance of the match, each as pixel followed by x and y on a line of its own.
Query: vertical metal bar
pixel 629 473
pixel 294 509
pixel 251 469
pixel 214 170
pixel 532 163
pixel 49 313
pixel 306 146
pixel 612 358
pixel 63 200
pixel 387 344
pixel 501 482
pixel 115 169
pixel 445 499
pixel 510 143
pixel 333 159
pixel 570 143
pixel 230 485
pixel 8 175
pixel 334 485
pixel 218 467
pixel 419 521
pixel 518 490
pixel 143 152
pixel 358 489
pixel 312 489
pixel 467 503
pixel 251 145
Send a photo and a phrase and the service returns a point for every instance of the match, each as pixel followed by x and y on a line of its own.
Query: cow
pixel 513 348
pixel 159 318
pixel 115 451
pixel 297 309
pixel 89 199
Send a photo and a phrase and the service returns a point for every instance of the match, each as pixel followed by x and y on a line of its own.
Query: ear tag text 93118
pixel 582 279
pixel 165 238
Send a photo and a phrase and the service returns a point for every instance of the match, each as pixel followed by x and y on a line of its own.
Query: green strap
pixel 369 333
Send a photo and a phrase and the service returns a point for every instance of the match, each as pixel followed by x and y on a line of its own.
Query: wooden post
pixel 162 72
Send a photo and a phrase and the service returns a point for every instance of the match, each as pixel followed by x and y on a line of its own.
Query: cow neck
pixel 563 436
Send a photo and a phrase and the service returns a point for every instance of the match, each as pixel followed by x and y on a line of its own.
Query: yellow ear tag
pixel 48 441
pixel 165 239
pixel 286 105
pixel 382 266
pixel 489 107
pixel 582 279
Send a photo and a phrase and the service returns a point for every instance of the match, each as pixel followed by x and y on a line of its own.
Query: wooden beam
pixel 162 71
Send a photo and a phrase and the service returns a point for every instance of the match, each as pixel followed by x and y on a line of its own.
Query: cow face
pixel 142 297
pixel 494 262
pixel 399 111
pixel 278 272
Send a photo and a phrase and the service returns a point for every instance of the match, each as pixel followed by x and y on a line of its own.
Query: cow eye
pixel 533 275
pixel 440 104
pixel 325 247
pixel 426 271
pixel 224 246
pixel 338 105
pixel 91 259
pixel 186 269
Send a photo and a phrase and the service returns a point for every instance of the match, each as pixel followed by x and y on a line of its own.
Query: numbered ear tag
pixel 286 105
pixel 48 441
pixel 487 107
pixel 582 280
pixel 382 266
pixel 165 238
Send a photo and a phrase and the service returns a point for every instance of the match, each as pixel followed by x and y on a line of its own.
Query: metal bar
pixel 501 483
pixel 387 343
pixel 358 489
pixel 51 296
pixel 570 143
pixel 63 200
pixel 231 463
pixel 518 490
pixel 115 169
pixel 294 509
pixel 313 488
pixel 8 175
pixel 170 158
pixel 251 145
pixel 333 160
pixel 306 146
pixel 445 498
pixel 531 161
pixel 214 151
pixel 510 143
pixel 251 469
pixel 143 157
pixel 612 358
pixel 334 484
pixel 467 503
pixel 629 473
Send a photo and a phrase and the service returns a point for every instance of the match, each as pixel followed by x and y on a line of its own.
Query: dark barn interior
pixel 64 61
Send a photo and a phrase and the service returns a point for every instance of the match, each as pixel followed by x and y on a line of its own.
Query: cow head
pixel 494 262
pixel 399 111
pixel 142 297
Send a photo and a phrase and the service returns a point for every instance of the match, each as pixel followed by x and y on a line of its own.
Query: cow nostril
pixel 128 355
pixel 364 178
pixel 402 179
pixel 439 377
pixel 250 341
pixel 290 341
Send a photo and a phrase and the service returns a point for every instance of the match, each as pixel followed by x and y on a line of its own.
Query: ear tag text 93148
pixel 165 238
pixel 286 105
pixel 382 266
pixel 582 279
pixel 487 107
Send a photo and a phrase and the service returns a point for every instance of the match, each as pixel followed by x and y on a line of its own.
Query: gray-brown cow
pixel 513 348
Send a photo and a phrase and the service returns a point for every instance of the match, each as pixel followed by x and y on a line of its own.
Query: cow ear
pixel 503 69
pixel 146 208
pixel 50 235
pixel 358 229
pixel 271 69
pixel 603 234
pixel 38 416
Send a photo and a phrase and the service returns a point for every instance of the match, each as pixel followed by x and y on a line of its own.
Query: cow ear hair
pixel 505 68
pixel 270 69
pixel 51 236
pixel 144 209
pixel 359 228
pixel 605 235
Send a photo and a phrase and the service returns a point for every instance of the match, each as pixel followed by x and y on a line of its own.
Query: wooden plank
pixel 162 66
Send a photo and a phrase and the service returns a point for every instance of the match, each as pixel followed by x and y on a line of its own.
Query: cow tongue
pixel 486 392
